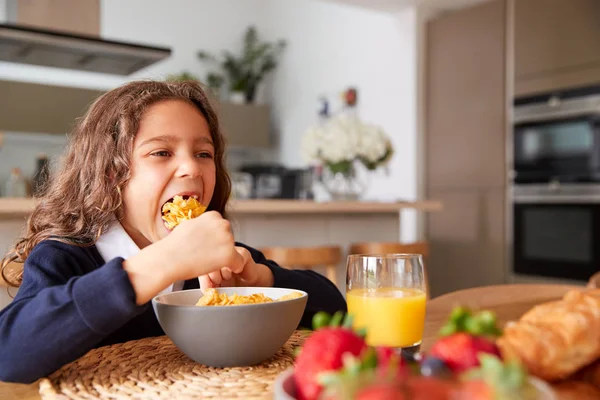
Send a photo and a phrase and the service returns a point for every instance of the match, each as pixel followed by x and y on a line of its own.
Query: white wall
pixel 185 25
pixel 332 47
pixel 2 11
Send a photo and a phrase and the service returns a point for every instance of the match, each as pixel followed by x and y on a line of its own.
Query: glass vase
pixel 343 185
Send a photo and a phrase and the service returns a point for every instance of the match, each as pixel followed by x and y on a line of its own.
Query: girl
pixel 96 249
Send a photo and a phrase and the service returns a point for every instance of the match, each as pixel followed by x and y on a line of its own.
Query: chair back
pixel 306 258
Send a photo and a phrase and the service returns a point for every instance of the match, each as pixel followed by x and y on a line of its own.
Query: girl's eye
pixel 204 155
pixel 161 153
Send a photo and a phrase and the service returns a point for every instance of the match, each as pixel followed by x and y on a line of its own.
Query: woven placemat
pixel 154 368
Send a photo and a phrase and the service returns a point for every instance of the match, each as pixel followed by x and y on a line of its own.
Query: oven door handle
pixel 560 199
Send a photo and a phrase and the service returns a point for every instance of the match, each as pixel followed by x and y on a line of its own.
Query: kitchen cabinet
pixel 73 16
pixel 467 239
pixel 33 107
pixel 465 157
pixel 555 45
pixel 246 125
pixel 465 102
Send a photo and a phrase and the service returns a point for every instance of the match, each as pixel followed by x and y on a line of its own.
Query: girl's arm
pixel 66 305
pixel 70 300
pixel 323 295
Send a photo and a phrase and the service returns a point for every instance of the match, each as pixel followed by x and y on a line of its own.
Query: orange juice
pixel 392 316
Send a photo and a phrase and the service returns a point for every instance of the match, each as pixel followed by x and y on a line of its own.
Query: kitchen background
pixel 440 78
pixel 321 60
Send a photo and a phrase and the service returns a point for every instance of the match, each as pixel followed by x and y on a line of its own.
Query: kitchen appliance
pixel 26 45
pixel 274 181
pixel 66 34
pixel 241 185
pixel 297 184
pixel 266 180
pixel 556 230
pixel 557 138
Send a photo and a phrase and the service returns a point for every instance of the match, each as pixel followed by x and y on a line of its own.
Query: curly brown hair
pixel 83 197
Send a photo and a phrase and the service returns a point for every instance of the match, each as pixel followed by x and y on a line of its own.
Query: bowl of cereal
pixel 230 327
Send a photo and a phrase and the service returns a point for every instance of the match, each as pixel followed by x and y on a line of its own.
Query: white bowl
pixel 285 388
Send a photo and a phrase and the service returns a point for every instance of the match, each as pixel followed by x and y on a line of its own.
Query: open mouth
pixel 181 208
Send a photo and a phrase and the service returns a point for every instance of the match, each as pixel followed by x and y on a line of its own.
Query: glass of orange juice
pixel 386 296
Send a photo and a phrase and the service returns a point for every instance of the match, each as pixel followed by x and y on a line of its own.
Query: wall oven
pixel 556 230
pixel 557 140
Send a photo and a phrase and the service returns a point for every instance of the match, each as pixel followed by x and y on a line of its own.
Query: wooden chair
pixel 307 258
pixel 9 267
pixel 395 247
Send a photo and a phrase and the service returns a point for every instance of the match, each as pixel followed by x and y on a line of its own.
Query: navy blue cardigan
pixel 72 301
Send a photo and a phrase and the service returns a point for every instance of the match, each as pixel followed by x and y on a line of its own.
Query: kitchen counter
pixel 16 207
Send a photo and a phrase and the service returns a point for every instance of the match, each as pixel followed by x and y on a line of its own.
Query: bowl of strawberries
pixel 336 363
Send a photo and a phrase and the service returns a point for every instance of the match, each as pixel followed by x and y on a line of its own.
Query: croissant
pixel 576 390
pixel 556 339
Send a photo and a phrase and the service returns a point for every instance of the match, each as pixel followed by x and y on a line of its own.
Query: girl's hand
pixel 249 274
pixel 201 246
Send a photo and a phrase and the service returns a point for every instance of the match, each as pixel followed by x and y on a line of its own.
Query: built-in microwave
pixel 557 139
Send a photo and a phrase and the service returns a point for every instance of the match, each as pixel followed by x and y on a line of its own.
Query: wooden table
pixel 508 301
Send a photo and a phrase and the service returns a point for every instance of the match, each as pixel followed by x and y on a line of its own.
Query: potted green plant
pixel 245 72
pixel 213 80
pixel 182 76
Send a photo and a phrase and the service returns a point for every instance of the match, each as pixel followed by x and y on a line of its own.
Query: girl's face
pixel 173 154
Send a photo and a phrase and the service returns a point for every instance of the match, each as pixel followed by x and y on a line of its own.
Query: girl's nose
pixel 189 166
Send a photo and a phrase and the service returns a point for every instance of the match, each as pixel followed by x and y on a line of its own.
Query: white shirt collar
pixel 115 242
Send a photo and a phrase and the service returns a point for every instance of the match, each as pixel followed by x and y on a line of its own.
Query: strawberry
pixel 323 352
pixel 464 336
pixel 413 388
pixel 384 391
pixel 462 319
pixel 385 354
pixel 390 363
pixel 459 351
pixel 475 390
pixel 495 379
pixel 424 388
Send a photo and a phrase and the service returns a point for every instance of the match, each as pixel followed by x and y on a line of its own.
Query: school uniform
pixel 77 298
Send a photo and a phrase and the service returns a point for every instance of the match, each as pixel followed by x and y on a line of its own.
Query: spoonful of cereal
pixel 181 208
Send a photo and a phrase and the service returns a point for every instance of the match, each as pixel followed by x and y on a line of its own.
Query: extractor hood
pixel 52 48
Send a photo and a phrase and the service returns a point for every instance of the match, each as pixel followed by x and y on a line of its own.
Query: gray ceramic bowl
pixel 229 336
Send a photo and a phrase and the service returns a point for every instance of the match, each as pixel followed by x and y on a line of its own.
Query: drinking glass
pixel 386 296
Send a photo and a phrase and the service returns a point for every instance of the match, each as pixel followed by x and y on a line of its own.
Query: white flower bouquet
pixel 343 139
